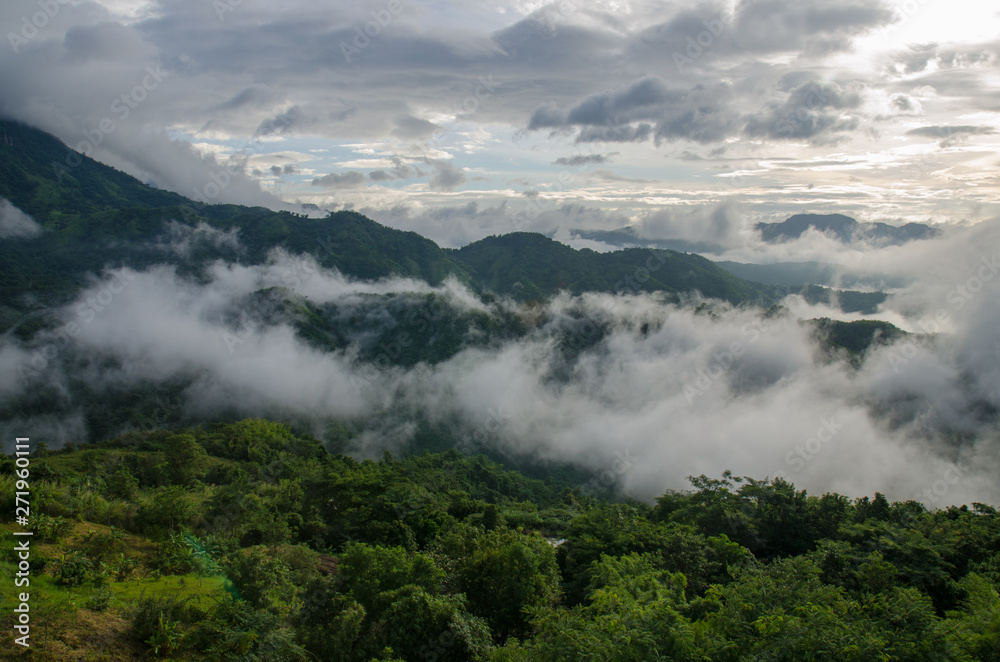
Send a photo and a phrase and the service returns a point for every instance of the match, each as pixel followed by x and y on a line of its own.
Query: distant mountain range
pixel 628 237
pixel 838 226
pixel 791 274
pixel 844 229
pixel 95 216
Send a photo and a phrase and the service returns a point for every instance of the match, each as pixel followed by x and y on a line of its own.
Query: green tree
pixel 783 611
pixel 632 613
pixel 975 627
pixel 186 458
pixel 398 595
pixel 505 574
pixel 167 508
pixel 121 484
pixel 261 579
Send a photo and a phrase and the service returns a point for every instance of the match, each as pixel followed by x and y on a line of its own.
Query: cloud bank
pixel 675 390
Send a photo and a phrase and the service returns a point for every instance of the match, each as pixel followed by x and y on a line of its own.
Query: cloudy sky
pixel 448 117
pixel 461 120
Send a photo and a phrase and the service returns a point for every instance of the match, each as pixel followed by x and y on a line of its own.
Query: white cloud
pixel 681 391
pixel 398 99
pixel 15 223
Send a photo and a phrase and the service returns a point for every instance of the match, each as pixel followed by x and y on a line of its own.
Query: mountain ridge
pixel 96 216
pixel 844 229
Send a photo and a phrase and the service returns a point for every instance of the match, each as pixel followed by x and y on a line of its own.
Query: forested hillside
pixel 97 225
pixel 96 216
pixel 531 266
pixel 250 542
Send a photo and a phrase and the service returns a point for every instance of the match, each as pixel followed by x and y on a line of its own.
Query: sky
pixel 465 119
pixel 461 120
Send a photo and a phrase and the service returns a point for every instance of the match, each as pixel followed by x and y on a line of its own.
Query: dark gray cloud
pixel 279 171
pixel 905 103
pixel 284 123
pixel 814 111
pixel 581 73
pixel 410 127
pixel 915 58
pixel 253 95
pixel 399 171
pixel 948 131
pixel 815 27
pixel 643 99
pixel 446 177
pixel 650 108
pixel 625 133
pixel 340 180
pixel 951 135
pixel 584 159
pixel 605 175
pixel 698 39
pixel 108 41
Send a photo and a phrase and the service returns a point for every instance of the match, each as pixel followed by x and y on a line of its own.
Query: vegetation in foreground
pixel 248 542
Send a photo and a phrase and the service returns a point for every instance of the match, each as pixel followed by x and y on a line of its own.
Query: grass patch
pixel 203 592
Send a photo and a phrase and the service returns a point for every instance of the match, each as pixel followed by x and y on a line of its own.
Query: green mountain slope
pixel 96 216
pixel 252 541
pixel 37 173
pixel 532 266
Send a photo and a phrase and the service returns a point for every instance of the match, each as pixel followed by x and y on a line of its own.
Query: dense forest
pixel 252 541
